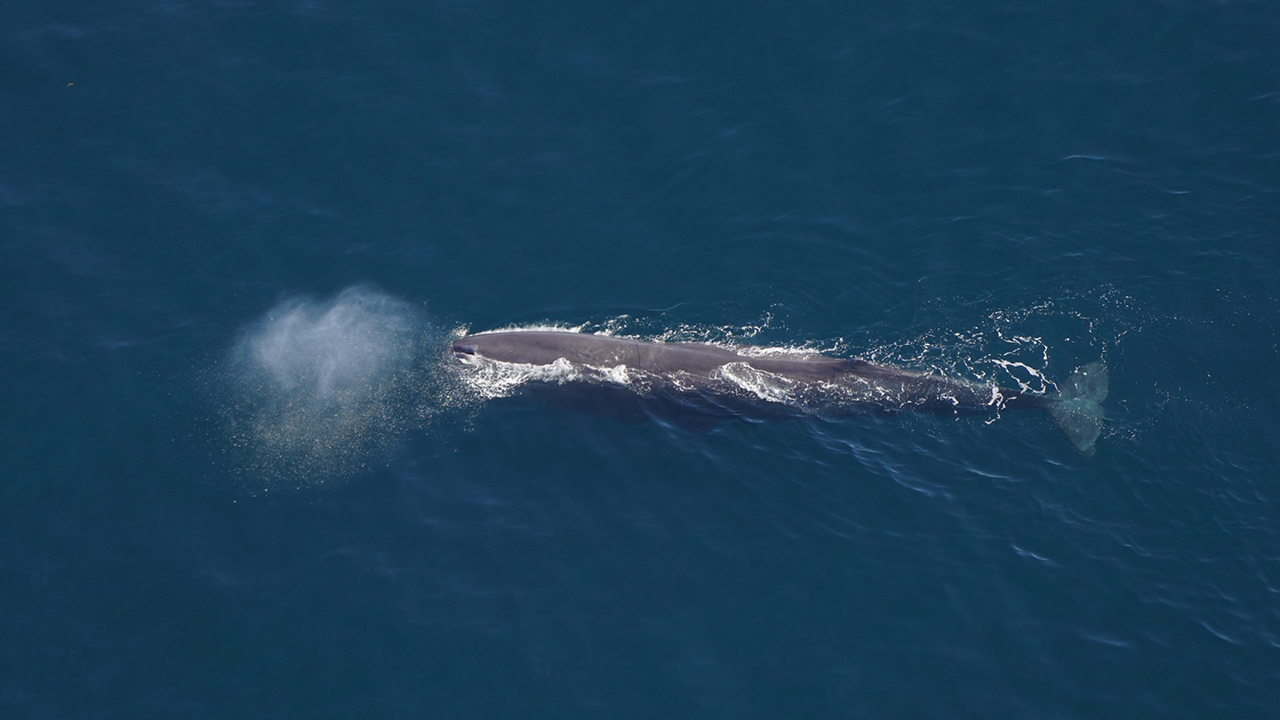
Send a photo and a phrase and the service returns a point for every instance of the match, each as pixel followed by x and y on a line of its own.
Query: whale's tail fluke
pixel 1078 409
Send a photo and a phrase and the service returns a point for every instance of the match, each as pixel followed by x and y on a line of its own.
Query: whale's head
pixel 496 347
pixel 533 347
pixel 465 349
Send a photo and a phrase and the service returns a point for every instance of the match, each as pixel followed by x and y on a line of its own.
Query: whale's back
pixel 602 351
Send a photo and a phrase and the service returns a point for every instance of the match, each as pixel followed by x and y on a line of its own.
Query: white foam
pixel 764 385
pixel 535 328
pixel 488 379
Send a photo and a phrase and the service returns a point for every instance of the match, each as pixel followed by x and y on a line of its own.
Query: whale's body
pixel 824 380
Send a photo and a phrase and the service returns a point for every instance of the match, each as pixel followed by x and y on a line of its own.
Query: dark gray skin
pixel 863 383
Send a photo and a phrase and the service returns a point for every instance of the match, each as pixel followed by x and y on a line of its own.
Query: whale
pixel 805 382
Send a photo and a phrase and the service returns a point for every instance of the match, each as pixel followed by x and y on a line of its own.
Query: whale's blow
pixel 316 389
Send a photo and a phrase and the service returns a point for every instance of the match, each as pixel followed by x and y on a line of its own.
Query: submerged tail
pixel 1077 410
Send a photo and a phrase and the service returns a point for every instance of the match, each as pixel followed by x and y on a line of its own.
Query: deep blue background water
pixel 189 529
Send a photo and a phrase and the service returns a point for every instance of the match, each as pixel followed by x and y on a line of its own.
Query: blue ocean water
pixel 238 479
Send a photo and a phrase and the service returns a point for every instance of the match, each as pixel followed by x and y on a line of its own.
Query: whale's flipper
pixel 1077 409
